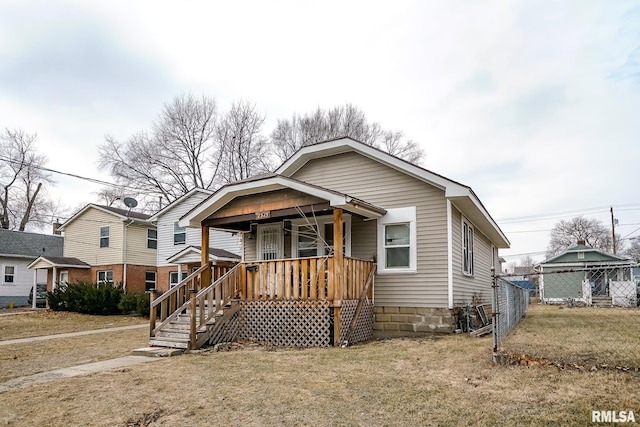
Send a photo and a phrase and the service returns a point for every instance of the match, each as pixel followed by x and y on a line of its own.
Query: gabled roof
pixel 22 244
pixel 121 214
pixel 461 195
pixel 178 201
pixel 272 182
pixel 589 255
pixel 215 254
pixel 57 261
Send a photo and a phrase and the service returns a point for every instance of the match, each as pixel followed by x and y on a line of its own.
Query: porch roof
pixel 58 262
pixel 269 183
pixel 192 254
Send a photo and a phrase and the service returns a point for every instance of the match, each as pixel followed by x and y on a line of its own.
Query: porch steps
pixel 601 301
pixel 176 334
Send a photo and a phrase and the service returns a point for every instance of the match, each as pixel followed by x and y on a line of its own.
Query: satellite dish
pixel 130 202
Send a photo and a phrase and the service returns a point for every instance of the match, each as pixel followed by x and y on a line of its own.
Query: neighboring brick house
pixel 105 244
pixel 179 247
pixel 17 250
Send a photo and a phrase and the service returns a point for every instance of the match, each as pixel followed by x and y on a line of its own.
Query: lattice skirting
pixel 287 323
pixel 363 330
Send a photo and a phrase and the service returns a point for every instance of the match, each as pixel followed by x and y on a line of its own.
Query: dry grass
pixel 586 336
pixel 47 322
pixel 445 381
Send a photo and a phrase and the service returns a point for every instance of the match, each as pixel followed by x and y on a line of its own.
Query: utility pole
pixel 613 231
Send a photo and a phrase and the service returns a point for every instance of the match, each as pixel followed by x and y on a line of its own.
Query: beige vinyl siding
pixel 250 249
pixel 82 238
pixel 361 177
pixel 476 288
pixel 363 238
pixel 137 251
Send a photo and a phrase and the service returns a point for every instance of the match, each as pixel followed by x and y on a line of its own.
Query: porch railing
pixel 164 309
pixel 305 279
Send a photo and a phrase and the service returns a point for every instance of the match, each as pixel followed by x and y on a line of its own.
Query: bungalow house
pixel 582 273
pixel 341 241
pixel 17 250
pixel 179 251
pixel 105 244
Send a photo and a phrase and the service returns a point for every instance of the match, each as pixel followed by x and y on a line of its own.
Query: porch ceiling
pixel 238 205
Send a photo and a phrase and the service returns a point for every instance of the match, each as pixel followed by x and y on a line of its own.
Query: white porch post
pixel 35 288
pixel 54 279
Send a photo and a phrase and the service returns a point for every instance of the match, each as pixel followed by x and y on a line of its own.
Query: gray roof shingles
pixel 24 244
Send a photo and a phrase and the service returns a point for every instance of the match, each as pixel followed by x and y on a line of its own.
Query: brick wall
pixel 411 321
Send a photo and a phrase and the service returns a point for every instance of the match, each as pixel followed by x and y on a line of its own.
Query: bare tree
pixel 180 153
pixel 23 199
pixel 633 251
pixel 109 195
pixel 341 121
pixel 244 150
pixel 567 233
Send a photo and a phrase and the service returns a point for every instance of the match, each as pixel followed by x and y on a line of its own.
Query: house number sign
pixel 263 215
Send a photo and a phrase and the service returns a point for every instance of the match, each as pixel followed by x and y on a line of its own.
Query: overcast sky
pixel 533 104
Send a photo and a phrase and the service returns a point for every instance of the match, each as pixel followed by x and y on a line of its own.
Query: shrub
pixel 135 303
pixel 88 298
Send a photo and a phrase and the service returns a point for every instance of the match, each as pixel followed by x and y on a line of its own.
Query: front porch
pixel 299 302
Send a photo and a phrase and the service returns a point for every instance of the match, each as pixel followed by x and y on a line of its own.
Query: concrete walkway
pixel 72 334
pixel 142 355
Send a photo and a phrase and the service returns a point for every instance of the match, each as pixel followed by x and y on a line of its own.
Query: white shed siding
pixel 217 239
pixel 137 251
pixel 465 287
pixel 361 177
pixel 17 292
pixel 82 238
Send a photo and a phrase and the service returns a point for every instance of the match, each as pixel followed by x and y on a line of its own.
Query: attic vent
pixel 581 255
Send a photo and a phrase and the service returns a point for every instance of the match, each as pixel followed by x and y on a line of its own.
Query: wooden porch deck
pixel 310 291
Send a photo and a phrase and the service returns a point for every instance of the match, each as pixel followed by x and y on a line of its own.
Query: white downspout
pixel 449 255
pixel 124 257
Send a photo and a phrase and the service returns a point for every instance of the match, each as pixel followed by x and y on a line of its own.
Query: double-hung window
pixel 173 278
pixel 9 275
pixel 149 280
pixel 467 248
pixel 152 238
pixel 105 276
pixel 104 237
pixel 397 245
pixel 179 234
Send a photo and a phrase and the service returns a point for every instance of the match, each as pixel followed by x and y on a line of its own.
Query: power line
pixel 556 215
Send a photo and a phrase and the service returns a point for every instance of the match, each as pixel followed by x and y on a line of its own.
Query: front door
pixel 270 242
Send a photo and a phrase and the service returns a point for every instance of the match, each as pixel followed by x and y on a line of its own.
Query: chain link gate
pixel 584 318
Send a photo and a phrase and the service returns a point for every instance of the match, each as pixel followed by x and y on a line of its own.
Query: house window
pixel 104 237
pixel 581 255
pixel 317 239
pixel 467 248
pixel 9 274
pixel 397 241
pixel 270 242
pixel 149 280
pixel 397 245
pixel 173 278
pixel 105 276
pixel 152 238
pixel 179 234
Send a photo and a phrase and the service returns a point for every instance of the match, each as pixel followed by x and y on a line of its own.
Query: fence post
pixel 495 313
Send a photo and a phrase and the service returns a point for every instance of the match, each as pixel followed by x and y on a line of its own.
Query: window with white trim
pixel 9 275
pixel 105 276
pixel 467 248
pixel 179 234
pixel 104 237
pixel 149 280
pixel 173 278
pixel 397 245
pixel 152 238
pixel 314 237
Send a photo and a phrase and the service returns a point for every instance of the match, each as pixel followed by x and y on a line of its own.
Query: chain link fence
pixel 581 318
